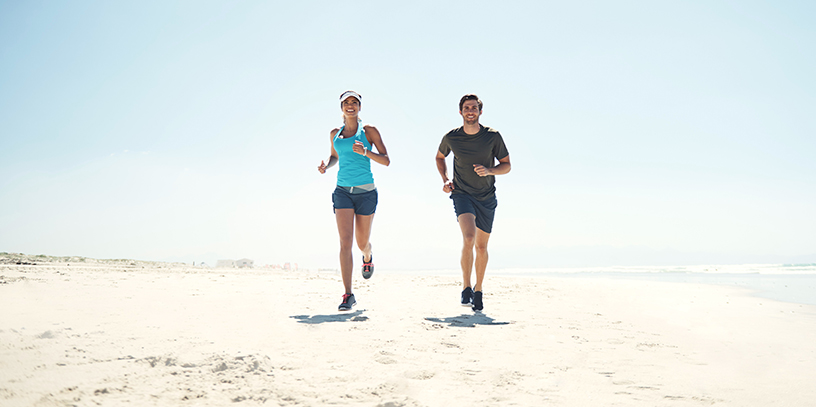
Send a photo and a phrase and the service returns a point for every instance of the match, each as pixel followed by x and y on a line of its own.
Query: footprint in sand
pixel 420 375
pixel 47 335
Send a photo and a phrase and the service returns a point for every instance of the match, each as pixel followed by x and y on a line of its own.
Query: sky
pixel 640 133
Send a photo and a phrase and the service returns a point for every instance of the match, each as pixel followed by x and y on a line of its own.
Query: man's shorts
pixel 363 204
pixel 484 210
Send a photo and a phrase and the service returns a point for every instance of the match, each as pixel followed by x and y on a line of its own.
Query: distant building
pixel 244 263
pixel 225 264
pixel 231 264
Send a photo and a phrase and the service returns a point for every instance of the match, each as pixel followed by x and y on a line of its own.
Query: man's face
pixel 470 112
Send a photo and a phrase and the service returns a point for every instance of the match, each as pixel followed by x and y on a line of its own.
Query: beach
pixel 153 334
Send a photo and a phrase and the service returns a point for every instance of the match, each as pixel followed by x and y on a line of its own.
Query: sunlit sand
pixel 138 333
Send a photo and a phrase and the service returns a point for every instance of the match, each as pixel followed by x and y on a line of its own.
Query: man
pixel 475 151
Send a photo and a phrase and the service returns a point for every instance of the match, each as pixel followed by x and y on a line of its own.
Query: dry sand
pixel 89 335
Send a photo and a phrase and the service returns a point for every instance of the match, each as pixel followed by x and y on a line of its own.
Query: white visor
pixel 350 94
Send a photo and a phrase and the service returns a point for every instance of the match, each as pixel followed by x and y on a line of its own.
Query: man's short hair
pixel 469 97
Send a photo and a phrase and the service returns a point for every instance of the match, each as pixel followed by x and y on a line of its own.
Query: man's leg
pixel 467 222
pixel 481 257
pixel 345 227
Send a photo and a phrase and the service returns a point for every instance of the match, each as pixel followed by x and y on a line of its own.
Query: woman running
pixel 355 198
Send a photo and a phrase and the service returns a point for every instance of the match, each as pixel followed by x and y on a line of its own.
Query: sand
pixel 152 335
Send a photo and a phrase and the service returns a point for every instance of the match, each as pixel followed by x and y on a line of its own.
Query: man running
pixel 475 151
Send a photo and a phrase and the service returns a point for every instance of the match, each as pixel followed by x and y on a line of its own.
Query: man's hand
pixel 448 186
pixel 481 170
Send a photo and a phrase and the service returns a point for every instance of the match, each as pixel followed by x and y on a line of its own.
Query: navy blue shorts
pixel 363 204
pixel 484 210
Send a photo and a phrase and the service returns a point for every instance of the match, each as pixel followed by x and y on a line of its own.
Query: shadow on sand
pixel 356 316
pixel 468 320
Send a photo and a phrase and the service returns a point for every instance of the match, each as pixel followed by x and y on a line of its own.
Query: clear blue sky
pixel 641 133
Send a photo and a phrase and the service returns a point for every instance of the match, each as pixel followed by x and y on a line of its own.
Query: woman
pixel 355 198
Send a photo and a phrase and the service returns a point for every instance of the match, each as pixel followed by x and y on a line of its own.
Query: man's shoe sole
pixel 470 301
pixel 482 302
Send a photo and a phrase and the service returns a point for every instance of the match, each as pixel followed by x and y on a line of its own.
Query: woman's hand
pixel 322 167
pixel 359 148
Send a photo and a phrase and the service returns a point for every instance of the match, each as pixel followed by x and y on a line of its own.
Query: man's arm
pixel 502 168
pixel 442 167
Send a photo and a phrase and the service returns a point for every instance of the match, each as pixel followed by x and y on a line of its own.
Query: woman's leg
pixel 345 227
pixel 363 234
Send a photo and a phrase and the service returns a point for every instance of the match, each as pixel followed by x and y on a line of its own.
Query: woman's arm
pixel 332 157
pixel 374 137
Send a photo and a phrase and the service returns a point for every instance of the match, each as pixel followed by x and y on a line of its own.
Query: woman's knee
pixel 362 244
pixel 346 244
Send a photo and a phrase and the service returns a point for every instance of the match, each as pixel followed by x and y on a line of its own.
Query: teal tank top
pixel 355 169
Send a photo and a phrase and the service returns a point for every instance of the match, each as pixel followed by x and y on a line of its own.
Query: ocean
pixel 794 283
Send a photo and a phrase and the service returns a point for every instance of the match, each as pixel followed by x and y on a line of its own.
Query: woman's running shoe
pixel 348 302
pixel 368 267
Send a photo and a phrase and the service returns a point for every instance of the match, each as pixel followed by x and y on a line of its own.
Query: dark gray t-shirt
pixel 484 147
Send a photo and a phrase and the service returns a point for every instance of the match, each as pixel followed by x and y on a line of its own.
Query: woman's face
pixel 350 107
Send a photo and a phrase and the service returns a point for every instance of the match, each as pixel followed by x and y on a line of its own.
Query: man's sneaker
pixel 368 267
pixel 348 302
pixel 467 297
pixel 477 301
